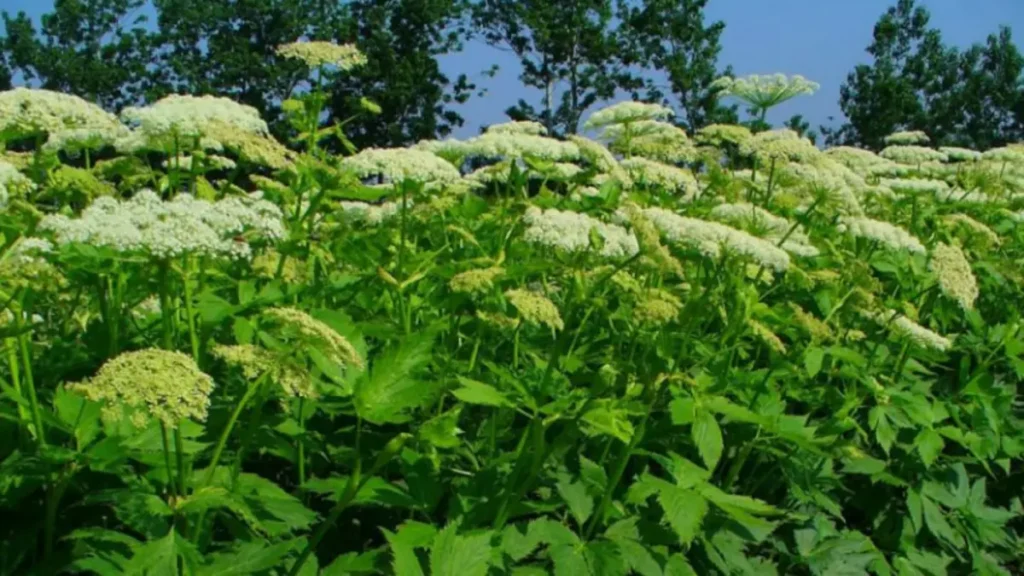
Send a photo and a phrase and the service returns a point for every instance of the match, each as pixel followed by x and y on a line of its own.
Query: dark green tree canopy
pixel 916 82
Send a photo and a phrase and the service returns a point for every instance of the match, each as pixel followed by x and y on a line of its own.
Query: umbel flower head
pixel 254 362
pixel 953 271
pixel 401 164
pixel 12 183
pixel 656 307
pixel 572 232
pixel 316 54
pixel 185 225
pixel 302 328
pixel 907 328
pixel 781 145
pixel 512 145
pixel 651 139
pixel 26 111
pixel 535 308
pixel 912 154
pixel 710 238
pixel 184 117
pixel 763 91
pixel 718 134
pixel 475 281
pixel 907 137
pixel 652 173
pixel 518 127
pixel 627 112
pixel 151 383
pixel 886 234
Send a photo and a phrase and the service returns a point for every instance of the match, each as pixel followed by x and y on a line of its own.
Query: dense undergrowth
pixel 651 352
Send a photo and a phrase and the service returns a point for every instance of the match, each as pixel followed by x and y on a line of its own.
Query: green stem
pixel 218 450
pixel 53 498
pixel 167 459
pixel 33 398
pixel 193 335
pixel 301 448
pixel 179 453
pixel 12 361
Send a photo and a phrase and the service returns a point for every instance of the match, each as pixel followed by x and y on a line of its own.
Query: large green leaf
pixel 160 557
pixel 708 437
pixel 684 510
pixel 580 503
pixel 393 387
pixel 248 558
pixel 454 555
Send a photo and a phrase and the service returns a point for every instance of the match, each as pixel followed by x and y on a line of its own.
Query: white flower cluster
pixel 914 185
pixel 561 171
pixel 518 127
pixel 317 53
pixel 765 90
pixel 601 159
pixel 570 231
pixel 883 232
pixel 954 274
pixel 651 173
pixel 94 138
pixel 717 134
pixel 26 111
pixel 450 149
pixel 625 112
pixel 651 139
pixel 184 225
pixel 371 214
pixel 212 162
pixel 781 144
pixel 907 137
pixel 960 154
pixel 191 117
pixel 956 195
pixel 517 145
pixel 907 328
pixel 1011 154
pixel 710 238
pixel 832 179
pixel 764 224
pixel 974 227
pixel 863 162
pixel 401 164
pixel 912 154
pixel 12 183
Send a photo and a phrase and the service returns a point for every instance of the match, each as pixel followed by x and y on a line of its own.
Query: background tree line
pixel 574 53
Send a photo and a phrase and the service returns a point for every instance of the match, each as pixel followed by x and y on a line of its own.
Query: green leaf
pixel 608 421
pixel 550 532
pixel 929 444
pixel 569 560
pixel 516 544
pixel 813 359
pixel 473 392
pixel 678 566
pixel 354 563
pixel 80 415
pixel 216 497
pixel 443 430
pixel 454 555
pixel 403 558
pixel 639 558
pixel 392 389
pixel 915 507
pixel 708 437
pixel 581 505
pixel 682 411
pixel 684 511
pixel 284 512
pixel 160 557
pixel 604 558
pixel 248 558
pixel 936 522
pixel 865 465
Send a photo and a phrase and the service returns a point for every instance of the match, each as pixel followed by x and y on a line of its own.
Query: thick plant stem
pixel 193 336
pixel 30 387
pixel 167 459
pixel 53 498
pixel 300 448
pixel 14 365
pixel 226 433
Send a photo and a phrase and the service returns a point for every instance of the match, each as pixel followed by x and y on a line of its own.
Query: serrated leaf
pixel 516 544
pixel 678 566
pixel 354 563
pixel 639 558
pixel 474 392
pixel 443 430
pixel 682 411
pixel 550 532
pixel 936 522
pixel 403 558
pixel 249 558
pixel 160 557
pixel 708 437
pixel 569 560
pixel 284 512
pixel 608 421
pixel 914 506
pixel 454 555
pixel 392 388
pixel 581 505
pixel 929 444
pixel 216 497
pixel 684 511
pixel 604 558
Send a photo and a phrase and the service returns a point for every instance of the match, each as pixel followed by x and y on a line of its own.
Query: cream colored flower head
pixel 954 274
pixel 518 127
pixel 626 112
pixel 475 281
pixel 316 54
pixel 151 383
pixel 907 137
pixel 306 330
pixel 27 111
pixel 656 307
pixel 255 362
pixel 401 164
pixel 535 308
pixel 765 90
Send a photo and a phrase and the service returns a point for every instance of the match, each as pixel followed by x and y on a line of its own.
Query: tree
pixel 96 49
pixel 801 127
pixel 569 50
pixel 227 47
pixel 671 36
pixel 916 82
pixel 401 40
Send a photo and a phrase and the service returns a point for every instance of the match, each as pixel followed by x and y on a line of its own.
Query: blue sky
pixel 820 39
